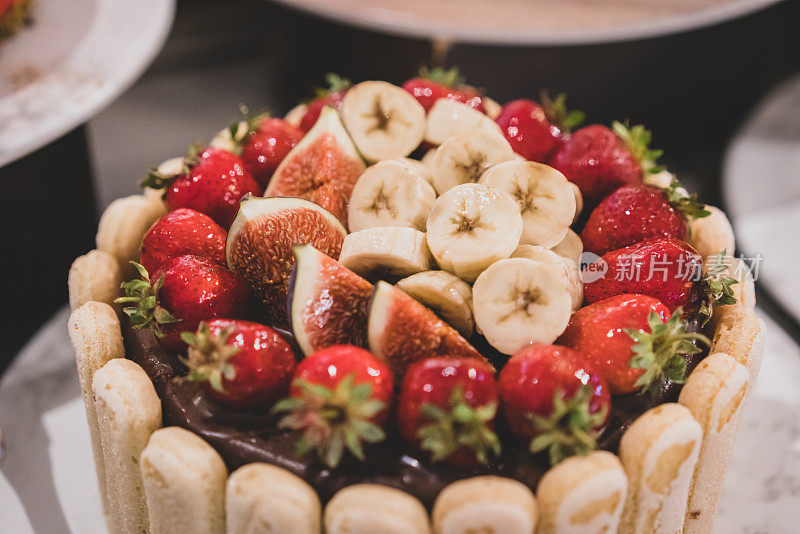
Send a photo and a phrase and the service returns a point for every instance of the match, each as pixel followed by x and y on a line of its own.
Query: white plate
pixel 530 22
pixel 42 417
pixel 75 58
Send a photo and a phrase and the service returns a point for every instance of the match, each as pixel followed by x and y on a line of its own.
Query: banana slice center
pixel 383 202
pixel 382 117
pixel 474 166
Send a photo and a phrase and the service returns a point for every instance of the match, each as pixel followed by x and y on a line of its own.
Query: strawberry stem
pixel 686 205
pixel 208 358
pixel 637 140
pixel 569 429
pixel 459 425
pixel 717 287
pixel 448 77
pixel 332 420
pixel 557 113
pixel 145 312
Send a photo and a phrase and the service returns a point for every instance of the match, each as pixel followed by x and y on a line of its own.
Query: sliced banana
pixel 296 114
pixel 389 193
pixel 427 159
pixel 578 201
pixel 419 168
pixel 492 107
pixel 545 198
pixel 398 251
pixel 465 156
pixel 570 247
pixel 519 302
pixel 227 139
pixel 448 118
pixel 472 226
pixel 384 120
pixel 446 295
pixel 569 269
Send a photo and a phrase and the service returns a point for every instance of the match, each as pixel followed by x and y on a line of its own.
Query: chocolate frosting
pixel 244 437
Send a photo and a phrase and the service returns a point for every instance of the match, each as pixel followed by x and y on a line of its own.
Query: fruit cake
pixel 14 14
pixel 411 310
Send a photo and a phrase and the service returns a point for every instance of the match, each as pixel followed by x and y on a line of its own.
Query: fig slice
pixel 400 331
pixel 259 245
pixel 327 302
pixel 322 168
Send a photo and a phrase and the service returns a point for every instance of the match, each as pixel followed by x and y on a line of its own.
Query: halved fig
pixel 322 168
pixel 400 331
pixel 259 245
pixel 327 302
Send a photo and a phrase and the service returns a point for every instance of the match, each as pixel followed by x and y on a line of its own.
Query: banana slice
pixel 492 107
pixel 427 159
pixel 393 250
pixel 545 198
pixel 463 158
pixel 419 168
pixel 448 118
pixel 227 139
pixel 295 115
pixel 384 120
pixel 446 295
pixel 571 247
pixel 519 302
pixel 472 226
pixel 567 268
pixel 390 194
pixel 578 201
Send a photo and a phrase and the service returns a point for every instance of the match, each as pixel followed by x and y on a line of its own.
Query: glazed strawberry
pixel 244 365
pixel 213 181
pixel 180 232
pixel 534 131
pixel 664 268
pixel 632 341
pixel 637 212
pixel 190 290
pixel 265 146
pixel 436 83
pixel 555 399
pixel 332 96
pixel 447 406
pixel 599 160
pixel 339 397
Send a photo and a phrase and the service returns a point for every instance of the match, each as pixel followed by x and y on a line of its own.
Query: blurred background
pixel 717 81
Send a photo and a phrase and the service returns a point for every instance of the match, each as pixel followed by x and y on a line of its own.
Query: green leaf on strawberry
pixel 557 113
pixel 567 431
pixel 459 426
pixel 145 312
pixel 448 77
pixel 335 84
pixel 637 140
pixel 660 352
pixel 718 288
pixel 687 205
pixel 209 355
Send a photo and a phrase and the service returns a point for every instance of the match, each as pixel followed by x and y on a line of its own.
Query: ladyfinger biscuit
pixel 95 276
pixel 659 452
pixel 740 334
pixel 744 291
pixel 713 393
pixel 265 499
pixel 712 234
pixel 96 338
pixel 123 225
pixel 128 412
pixel 485 504
pixel 372 508
pixel 582 495
pixel 184 483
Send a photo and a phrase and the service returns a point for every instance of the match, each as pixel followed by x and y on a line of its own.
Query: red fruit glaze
pixel 597 331
pixel 667 269
pixel 530 379
pixel 264 149
pixel 314 108
pixel 597 161
pixel 427 92
pixel 213 186
pixel 327 367
pixel 527 129
pixel 263 366
pixel 432 381
pixel 629 215
pixel 180 232
pixel 197 289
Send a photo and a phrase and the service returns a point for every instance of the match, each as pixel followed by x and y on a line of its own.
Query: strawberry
pixel 212 182
pixel 599 160
pixel 332 96
pixel 665 268
pixel 339 398
pixel 633 342
pixel 637 212
pixel 243 365
pixel 436 83
pixel 180 232
pixel 190 290
pixel 265 146
pixel 447 406
pixel 555 399
pixel 534 131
